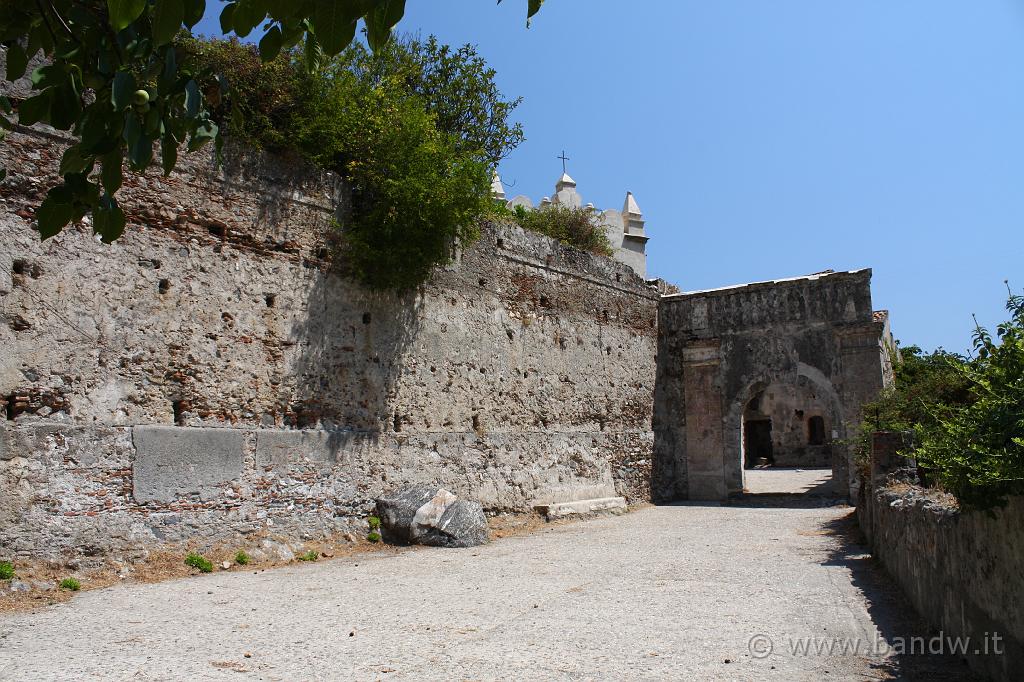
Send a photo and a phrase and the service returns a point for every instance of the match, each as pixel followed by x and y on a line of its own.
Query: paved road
pixel 662 593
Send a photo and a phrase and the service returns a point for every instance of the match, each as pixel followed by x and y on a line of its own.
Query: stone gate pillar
pixel 862 381
pixel 705 466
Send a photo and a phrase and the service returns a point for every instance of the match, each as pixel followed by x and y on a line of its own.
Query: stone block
pixel 172 462
pixel 279 447
pixel 611 505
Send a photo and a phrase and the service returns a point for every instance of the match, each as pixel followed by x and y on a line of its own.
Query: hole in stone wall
pixel 177 409
pixel 164 286
pixel 397 422
pixel 476 422
pixel 9 411
pixel 219 231
pixel 604 315
pixel 501 243
pixel 366 318
pixel 618 276
pixel 544 301
pixel 270 299
pixel 19 266
pixel 482 282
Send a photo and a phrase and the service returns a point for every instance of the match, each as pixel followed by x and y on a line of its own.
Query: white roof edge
pixel 768 281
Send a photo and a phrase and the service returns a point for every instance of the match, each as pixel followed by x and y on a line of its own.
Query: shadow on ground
pixel 890 610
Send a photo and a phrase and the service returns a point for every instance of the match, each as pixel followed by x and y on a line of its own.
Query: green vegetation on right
pixel 966 413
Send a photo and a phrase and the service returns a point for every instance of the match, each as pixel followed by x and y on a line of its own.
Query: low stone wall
pixel 963 572
pixel 210 374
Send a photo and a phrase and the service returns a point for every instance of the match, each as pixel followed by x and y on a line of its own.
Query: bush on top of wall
pixel 414 129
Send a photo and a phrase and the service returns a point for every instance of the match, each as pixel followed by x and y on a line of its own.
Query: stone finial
pixel 497 189
pixel 565 192
pixel 563 182
pixel 632 219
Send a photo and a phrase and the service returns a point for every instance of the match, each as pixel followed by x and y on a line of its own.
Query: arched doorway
pixel 757 435
pixel 785 423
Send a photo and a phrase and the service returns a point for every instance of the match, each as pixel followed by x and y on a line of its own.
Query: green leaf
pixel 35 109
pixel 166 82
pixel 227 17
pixel 168 153
pixel 202 135
pixel 193 99
pixel 132 128
pixel 381 19
pixel 167 18
pixel 17 61
pixel 75 160
pixel 48 76
pixel 108 219
pixel 112 175
pixel 248 15
pixel 65 107
pixel 270 44
pixel 140 152
pixel 194 11
pixel 122 89
pixel 55 212
pixel 124 12
pixel 334 22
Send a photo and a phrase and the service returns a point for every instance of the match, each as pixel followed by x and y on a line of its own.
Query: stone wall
pixel 718 350
pixel 209 374
pixel 961 571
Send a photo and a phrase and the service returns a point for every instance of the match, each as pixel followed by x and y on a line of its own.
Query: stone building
pixel 624 229
pixel 764 373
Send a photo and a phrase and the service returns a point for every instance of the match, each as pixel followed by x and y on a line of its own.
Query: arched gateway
pixel 761 374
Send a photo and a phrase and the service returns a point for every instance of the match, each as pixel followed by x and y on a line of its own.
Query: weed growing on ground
pixel 70 584
pixel 198 562
pixel 6 570
pixel 309 556
pixel 242 558
pixel 373 537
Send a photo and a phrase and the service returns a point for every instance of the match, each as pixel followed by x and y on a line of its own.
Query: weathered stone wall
pixel 206 375
pixel 719 349
pixel 961 571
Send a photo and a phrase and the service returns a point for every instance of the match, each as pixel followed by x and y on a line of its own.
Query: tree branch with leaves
pixel 117 81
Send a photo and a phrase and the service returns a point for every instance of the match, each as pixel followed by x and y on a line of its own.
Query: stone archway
pixel 814 338
pixel 788 402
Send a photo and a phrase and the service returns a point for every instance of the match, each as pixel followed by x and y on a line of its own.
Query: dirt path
pixel 663 593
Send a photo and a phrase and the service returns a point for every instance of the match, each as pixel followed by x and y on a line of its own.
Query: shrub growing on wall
pixel 415 130
pixel 579 227
pixel 977 449
pixel 413 195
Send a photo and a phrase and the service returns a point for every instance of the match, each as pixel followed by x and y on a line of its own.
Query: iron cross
pixel 564 158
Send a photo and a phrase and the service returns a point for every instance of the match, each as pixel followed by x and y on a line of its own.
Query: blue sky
pixel 772 139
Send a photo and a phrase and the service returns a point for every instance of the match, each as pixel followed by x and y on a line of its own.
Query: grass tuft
pixel 198 562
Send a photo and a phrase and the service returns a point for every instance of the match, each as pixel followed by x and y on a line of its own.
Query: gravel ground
pixel 674 592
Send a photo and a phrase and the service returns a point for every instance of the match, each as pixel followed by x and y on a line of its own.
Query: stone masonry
pixel 207 375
